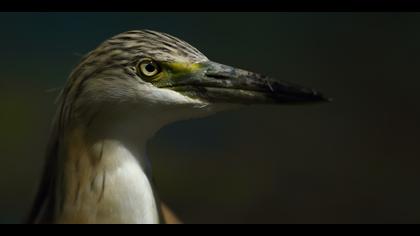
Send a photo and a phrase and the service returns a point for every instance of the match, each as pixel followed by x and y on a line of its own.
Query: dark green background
pixel 355 160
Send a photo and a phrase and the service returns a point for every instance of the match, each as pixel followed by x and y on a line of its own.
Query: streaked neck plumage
pixel 99 171
pixel 114 175
pixel 106 178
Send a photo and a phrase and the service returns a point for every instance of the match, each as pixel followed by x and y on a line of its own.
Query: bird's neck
pixel 105 175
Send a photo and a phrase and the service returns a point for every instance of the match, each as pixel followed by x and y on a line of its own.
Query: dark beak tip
pixel 322 98
pixel 319 97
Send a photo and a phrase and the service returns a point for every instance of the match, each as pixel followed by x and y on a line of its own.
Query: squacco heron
pixel 117 97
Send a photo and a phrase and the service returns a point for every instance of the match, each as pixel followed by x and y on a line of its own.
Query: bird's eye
pixel 148 68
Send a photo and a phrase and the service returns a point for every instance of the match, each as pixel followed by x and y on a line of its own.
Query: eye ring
pixel 148 68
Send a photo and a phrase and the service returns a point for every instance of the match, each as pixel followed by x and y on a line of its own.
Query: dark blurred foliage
pixel 354 160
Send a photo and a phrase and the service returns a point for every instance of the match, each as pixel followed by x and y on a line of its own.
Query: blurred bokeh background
pixel 355 160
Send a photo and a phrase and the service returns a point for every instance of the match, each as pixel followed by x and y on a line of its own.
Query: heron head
pixel 151 70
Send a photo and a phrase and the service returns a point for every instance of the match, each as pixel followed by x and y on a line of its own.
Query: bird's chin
pixel 200 108
pixel 211 108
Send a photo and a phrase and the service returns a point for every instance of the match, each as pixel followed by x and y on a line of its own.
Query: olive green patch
pixel 179 67
pixel 173 70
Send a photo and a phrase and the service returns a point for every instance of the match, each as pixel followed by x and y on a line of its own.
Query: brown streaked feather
pixel 168 215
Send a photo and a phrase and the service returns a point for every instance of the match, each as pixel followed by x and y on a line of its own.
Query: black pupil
pixel 150 67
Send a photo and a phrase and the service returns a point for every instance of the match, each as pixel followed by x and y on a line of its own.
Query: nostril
pixel 217 76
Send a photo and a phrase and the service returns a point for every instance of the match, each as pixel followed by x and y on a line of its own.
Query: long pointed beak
pixel 217 83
